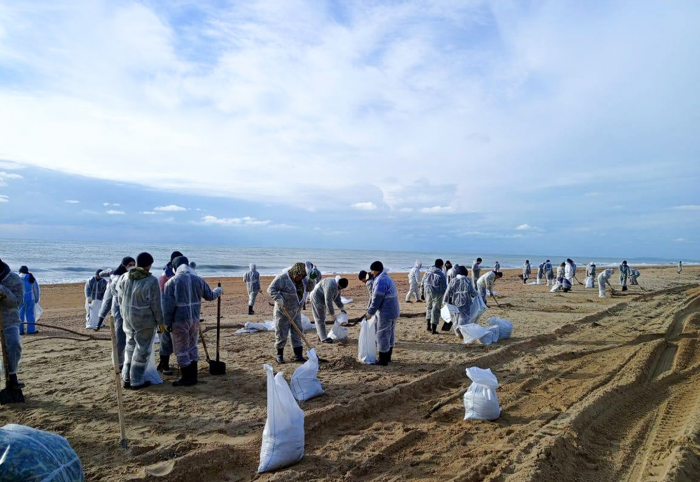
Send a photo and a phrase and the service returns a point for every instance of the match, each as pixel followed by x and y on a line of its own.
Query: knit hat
pixel 144 260
pixel 126 260
pixel 342 283
pixel 376 266
pixel 362 275
pixel 179 261
pixel 24 270
pixel 174 255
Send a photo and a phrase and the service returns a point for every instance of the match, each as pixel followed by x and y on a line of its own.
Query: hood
pixel 418 264
pixel 4 271
pixel 252 266
pixel 184 268
pixel 309 266
pixel 138 273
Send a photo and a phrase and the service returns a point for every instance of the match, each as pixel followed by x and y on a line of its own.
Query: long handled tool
pixel 118 380
pixel 577 280
pixel 215 367
pixel 299 332
pixel 9 394
pixel 218 367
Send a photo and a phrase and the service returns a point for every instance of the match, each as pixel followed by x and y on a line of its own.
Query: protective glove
pixel 89 301
pixel 169 328
pixel 344 312
pixel 161 329
pixel 218 292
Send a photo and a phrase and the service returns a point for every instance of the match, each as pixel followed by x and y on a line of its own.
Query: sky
pixel 473 126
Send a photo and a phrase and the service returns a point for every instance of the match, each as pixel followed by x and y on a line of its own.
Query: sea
pixel 56 262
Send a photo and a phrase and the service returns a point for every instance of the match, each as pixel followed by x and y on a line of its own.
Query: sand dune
pixel 591 389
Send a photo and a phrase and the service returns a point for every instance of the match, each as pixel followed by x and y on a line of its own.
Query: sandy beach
pixel 591 390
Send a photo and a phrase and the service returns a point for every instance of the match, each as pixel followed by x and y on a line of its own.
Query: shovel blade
pixel 217 368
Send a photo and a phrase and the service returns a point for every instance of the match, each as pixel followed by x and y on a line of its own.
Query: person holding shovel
pixel 603 279
pixel 166 340
pixel 111 304
pixel 287 289
pixel 624 273
pixel 485 283
pixel 385 304
pixel 182 304
pixel 11 298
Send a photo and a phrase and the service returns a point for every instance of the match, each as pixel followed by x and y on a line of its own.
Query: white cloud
pixel 4 198
pixel 681 240
pixel 170 208
pixel 71 201
pixel 244 221
pixel 687 207
pixel 9 175
pixel 115 212
pixel 111 204
pixel 437 210
pixel 525 227
pixel 148 212
pixel 366 206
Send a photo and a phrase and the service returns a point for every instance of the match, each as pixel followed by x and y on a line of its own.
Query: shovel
pixel 215 367
pixel 9 394
pixel 299 332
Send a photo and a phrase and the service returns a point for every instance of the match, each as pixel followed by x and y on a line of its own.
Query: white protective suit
pixel 414 282
pixel 603 279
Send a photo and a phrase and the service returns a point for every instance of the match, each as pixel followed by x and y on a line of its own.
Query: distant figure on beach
pixel 384 303
pixel 486 282
pixel 604 279
pixel 414 282
pixel 11 297
pixel 287 290
pixel 32 293
pixel 634 274
pixel 590 275
pixel 326 292
pixel 182 305
pixel 527 271
pixel 252 284
pixel 447 267
pixel 549 272
pixel 540 272
pixel 433 286
pixel 561 270
pixel 680 267
pixel 166 339
pixel 94 295
pixel 140 304
pixel 497 267
pixel 476 269
pixel 624 273
pixel 452 272
pixel 570 270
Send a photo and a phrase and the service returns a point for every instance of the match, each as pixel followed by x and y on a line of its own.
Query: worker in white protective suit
pixel 313 276
pixel 287 289
pixel 95 289
pixel 604 279
pixel 624 273
pixel 549 272
pixel 540 273
pixel 497 267
pixel 570 270
pixel 433 286
pixel 485 284
pixel 680 267
pixel 326 292
pixel 634 274
pixel 414 282
pixel 252 284
pixel 460 291
pixel 590 275
pixel 527 271
pixel 476 269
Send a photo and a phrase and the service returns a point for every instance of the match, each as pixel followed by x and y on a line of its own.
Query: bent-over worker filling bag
pixel 481 400
pixel 283 436
pixel 305 384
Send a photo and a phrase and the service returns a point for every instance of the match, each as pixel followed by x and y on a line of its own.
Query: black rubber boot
pixel 391 351
pixel 447 326
pixel 139 387
pixel 250 310
pixel 299 354
pixel 193 374
pixel 383 359
pixel 434 332
pixel 429 327
pixel 14 383
pixel 164 365
pixel 280 356
pixel 184 376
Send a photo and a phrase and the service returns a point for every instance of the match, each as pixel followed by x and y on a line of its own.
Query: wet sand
pixel 591 389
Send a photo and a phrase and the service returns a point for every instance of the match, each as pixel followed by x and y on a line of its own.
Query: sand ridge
pixel 590 389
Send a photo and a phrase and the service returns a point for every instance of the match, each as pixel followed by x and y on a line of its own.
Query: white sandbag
pixel 481 400
pixel 473 332
pixel 447 312
pixel 341 317
pixel 306 324
pixel 495 334
pixel 151 374
pixel 305 384
pixel 367 342
pixel 283 436
pixel 38 311
pixel 338 332
pixel 477 309
pixel 505 327
pixel 589 282
pixel 346 301
pixel 93 315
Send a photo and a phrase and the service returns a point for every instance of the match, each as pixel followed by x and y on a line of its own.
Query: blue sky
pixel 521 127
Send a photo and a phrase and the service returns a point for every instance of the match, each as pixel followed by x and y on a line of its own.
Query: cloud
pixel 4 176
pixel 170 208
pixel 687 207
pixel 111 204
pixel 366 206
pixel 115 212
pixel 681 240
pixel 148 212
pixel 4 198
pixel 437 210
pixel 71 201
pixel 244 221
pixel 525 227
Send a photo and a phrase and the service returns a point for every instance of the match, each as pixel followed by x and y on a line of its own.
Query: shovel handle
pixel 118 380
pixel 296 328
pixel 204 344
pixel 5 361
pixel 218 324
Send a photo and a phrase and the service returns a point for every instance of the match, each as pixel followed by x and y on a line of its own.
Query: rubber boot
pixel 383 359
pixel 14 383
pixel 139 387
pixel 391 351
pixel 280 356
pixel 429 327
pixel 184 377
pixel 193 374
pixel 299 354
pixel 447 326
pixel 164 365
pixel 434 332
pixel 250 310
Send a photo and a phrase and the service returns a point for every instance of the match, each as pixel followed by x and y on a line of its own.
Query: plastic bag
pixel 338 332
pixel 495 334
pixel 477 308
pixel 306 324
pixel 367 342
pixel 305 384
pixel 481 400
pixel 589 282
pixel 505 327
pixel 30 454
pixel 93 314
pixel 446 312
pixel 341 317
pixel 473 332
pixel 151 374
pixel 38 311
pixel 346 301
pixel 283 436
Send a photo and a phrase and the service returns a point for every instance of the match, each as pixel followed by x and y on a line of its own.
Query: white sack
pixel 305 384
pixel 495 334
pixel 367 343
pixel 93 314
pixel 283 436
pixel 481 400
pixel 446 312
pixel 505 327
pixel 151 374
pixel 473 332
pixel 346 301
pixel 477 308
pixel 338 332
pixel 589 282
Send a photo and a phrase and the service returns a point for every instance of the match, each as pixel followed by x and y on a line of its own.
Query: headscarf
pixel 298 269
pixel 179 261
pixel 418 264
pixel 25 270
pixel 252 266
